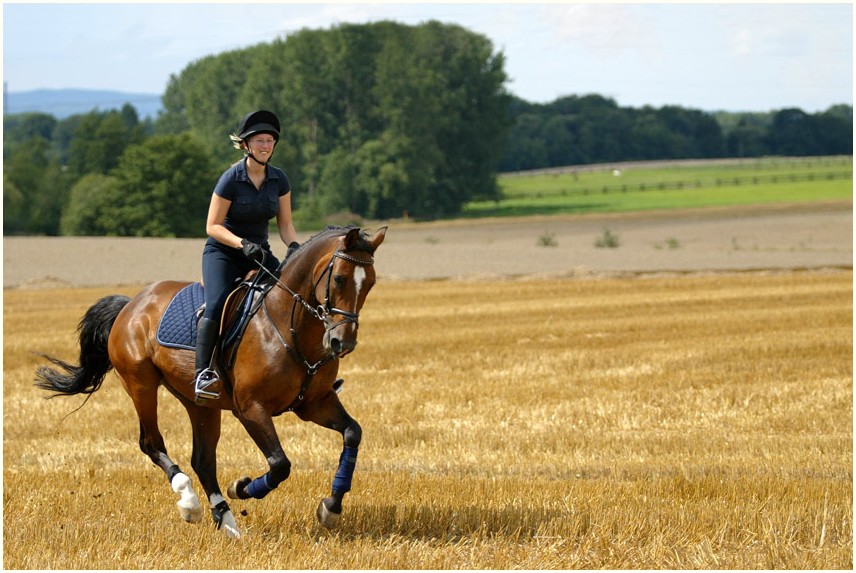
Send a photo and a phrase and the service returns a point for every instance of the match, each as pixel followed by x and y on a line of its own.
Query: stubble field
pixel 698 421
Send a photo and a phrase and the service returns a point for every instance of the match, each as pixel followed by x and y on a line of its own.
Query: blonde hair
pixel 237 142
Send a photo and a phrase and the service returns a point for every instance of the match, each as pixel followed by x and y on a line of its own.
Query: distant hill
pixel 62 103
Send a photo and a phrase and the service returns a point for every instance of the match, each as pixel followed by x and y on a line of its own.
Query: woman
pixel 246 197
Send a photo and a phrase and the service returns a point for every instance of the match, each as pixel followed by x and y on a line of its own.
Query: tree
pixel 14 208
pixel 749 137
pixel 527 149
pixel 204 96
pixel 89 207
pixel 161 188
pixel 100 138
pixel 433 92
pixel 34 190
pixel 834 130
pixel 20 128
pixel 792 133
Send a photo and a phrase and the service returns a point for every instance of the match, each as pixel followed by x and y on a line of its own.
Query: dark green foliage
pixel 34 189
pixel 579 130
pixel 160 188
pixel 380 119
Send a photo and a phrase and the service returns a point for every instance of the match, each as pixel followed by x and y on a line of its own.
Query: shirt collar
pixel 242 175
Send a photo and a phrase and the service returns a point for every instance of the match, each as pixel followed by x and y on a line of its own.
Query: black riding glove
pixel 293 246
pixel 252 250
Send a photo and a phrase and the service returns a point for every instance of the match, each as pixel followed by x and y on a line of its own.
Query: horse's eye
pixel 339 280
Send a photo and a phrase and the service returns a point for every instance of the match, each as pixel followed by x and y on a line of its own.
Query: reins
pixel 324 313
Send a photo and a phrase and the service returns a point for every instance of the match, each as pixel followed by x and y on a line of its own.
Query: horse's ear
pixel 378 237
pixel 351 238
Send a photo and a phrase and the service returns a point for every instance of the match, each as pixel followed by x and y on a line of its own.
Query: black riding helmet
pixel 261 121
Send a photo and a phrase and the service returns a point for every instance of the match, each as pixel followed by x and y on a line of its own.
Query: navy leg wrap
pixel 347 463
pixel 260 487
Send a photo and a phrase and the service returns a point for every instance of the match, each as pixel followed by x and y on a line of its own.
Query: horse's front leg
pixel 259 425
pixel 329 413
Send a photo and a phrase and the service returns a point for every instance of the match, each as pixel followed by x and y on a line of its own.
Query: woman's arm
pixel 217 210
pixel 283 220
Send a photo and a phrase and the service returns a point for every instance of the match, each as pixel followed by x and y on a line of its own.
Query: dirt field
pixel 799 236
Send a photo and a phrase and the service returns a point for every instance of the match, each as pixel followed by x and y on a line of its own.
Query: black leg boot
pixel 207 380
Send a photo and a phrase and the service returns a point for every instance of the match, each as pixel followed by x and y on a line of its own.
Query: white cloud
pixel 602 30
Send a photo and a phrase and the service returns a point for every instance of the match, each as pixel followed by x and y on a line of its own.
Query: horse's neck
pixel 298 275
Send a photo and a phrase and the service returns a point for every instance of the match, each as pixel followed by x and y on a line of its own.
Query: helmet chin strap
pixel 253 157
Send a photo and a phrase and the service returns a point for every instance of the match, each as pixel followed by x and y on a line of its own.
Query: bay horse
pixel 287 361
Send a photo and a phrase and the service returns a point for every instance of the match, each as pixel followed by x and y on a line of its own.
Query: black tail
pixel 94 330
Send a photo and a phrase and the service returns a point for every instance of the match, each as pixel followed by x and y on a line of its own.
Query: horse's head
pixel 343 278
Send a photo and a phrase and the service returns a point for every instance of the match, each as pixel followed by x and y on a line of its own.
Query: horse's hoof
pixel 192 514
pixel 326 517
pixel 237 489
pixel 229 526
pixel 188 505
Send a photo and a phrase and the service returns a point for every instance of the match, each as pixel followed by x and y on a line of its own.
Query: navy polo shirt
pixel 251 208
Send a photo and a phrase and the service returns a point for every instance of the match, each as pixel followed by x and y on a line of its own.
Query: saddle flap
pixel 236 312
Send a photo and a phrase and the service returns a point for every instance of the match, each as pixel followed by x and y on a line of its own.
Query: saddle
pixel 177 327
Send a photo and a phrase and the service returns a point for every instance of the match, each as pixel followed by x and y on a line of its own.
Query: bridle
pixel 323 312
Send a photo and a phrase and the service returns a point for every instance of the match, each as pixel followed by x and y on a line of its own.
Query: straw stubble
pixel 677 422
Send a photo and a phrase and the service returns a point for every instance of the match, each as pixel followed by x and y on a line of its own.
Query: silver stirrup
pixel 205 379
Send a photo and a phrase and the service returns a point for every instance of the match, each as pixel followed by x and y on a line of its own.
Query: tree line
pixel 379 120
pixel 579 130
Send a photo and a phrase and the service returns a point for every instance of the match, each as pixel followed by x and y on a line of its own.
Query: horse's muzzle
pixel 339 346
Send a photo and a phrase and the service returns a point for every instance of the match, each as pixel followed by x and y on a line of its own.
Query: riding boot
pixel 207 382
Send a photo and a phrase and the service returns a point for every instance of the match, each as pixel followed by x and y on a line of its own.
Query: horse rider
pixel 245 198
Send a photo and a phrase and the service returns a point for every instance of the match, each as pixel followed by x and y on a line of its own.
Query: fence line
pixel 696 184
pixel 667 163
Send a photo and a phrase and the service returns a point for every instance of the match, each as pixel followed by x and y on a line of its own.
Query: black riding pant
pixel 222 268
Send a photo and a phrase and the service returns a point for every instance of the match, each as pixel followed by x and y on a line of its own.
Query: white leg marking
pixel 188 505
pixel 229 526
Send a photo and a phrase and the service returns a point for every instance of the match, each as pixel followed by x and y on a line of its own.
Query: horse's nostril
pixel 336 346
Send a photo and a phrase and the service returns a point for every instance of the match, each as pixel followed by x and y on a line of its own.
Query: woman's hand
pixel 252 251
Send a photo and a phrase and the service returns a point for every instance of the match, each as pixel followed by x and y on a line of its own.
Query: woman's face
pixel 261 146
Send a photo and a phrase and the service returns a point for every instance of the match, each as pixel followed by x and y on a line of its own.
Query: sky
pixel 731 57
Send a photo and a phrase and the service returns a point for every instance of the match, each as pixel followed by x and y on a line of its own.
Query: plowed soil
pixel 769 238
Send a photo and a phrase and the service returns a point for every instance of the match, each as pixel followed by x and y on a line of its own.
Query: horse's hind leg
pixel 145 398
pixel 206 434
pixel 329 413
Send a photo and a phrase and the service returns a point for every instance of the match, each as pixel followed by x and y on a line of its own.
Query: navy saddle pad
pixel 177 328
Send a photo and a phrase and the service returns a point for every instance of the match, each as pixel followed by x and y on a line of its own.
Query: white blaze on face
pixel 359 278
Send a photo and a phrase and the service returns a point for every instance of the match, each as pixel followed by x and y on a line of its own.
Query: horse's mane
pixel 331 231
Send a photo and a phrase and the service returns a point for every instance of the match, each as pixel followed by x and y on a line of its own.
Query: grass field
pixel 698 422
pixel 661 185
